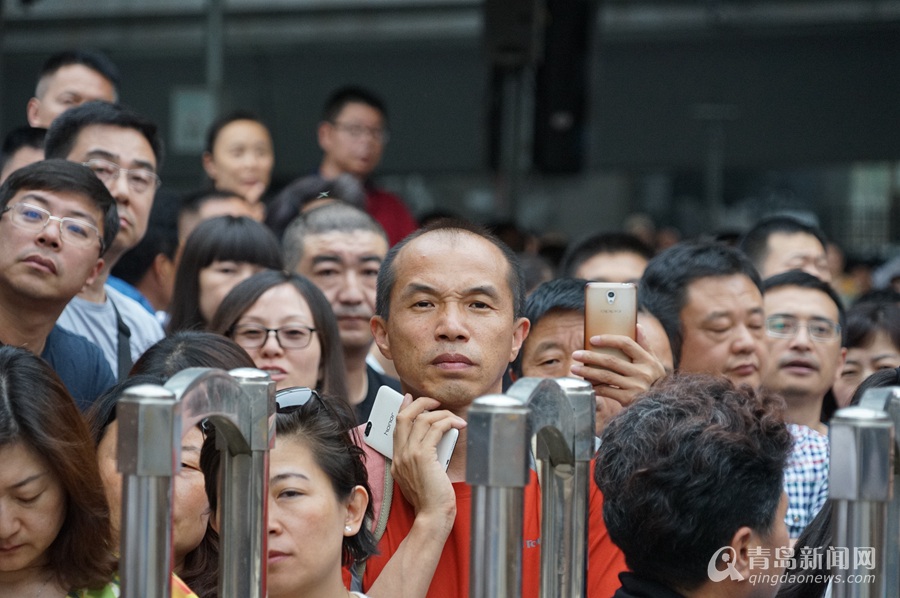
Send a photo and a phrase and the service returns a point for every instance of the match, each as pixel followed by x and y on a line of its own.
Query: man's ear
pixel 32 112
pixel 520 332
pixel 95 272
pixel 324 135
pixel 209 166
pixel 379 331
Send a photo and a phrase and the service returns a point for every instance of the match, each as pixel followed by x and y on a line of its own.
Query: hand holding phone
pixel 379 431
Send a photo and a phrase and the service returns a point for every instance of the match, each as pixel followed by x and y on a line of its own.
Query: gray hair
pixel 331 217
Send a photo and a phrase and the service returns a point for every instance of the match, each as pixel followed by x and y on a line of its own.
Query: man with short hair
pixel 449 306
pixel 781 243
pixel 56 222
pixel 606 257
pixel 554 348
pixel 340 249
pixel 125 152
pixel 698 509
pixel 708 298
pixel 352 135
pixel 804 320
pixel 68 79
pixel 21 146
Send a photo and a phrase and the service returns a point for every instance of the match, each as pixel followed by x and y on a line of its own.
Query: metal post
pixel 241 406
pixel 147 453
pixel 860 488
pixel 580 395
pixel 497 470
pixel 888 399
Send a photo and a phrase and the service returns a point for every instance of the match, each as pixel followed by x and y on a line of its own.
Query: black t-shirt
pixel 376 380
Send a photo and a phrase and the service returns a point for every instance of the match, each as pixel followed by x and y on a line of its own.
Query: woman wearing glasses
pixel 286 325
pixel 318 503
pixel 54 522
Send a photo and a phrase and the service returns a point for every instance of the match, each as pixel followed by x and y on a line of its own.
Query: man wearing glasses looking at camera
pixel 352 135
pixel 124 151
pixel 804 319
pixel 57 220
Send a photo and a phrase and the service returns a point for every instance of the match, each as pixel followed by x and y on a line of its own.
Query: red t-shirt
pixel 391 213
pixel 451 578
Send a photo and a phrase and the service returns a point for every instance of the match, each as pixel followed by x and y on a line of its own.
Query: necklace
pixel 43 587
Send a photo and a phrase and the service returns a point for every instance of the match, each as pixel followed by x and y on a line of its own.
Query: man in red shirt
pixel 352 135
pixel 449 301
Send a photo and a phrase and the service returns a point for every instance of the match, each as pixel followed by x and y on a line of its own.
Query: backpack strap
pixel 379 468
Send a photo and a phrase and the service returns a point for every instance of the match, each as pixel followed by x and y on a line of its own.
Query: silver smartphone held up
pixel 379 432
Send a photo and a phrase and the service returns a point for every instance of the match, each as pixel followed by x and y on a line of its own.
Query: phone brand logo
pixel 610 311
pixel 390 425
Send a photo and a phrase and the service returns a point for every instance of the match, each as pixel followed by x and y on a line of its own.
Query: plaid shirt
pixel 805 477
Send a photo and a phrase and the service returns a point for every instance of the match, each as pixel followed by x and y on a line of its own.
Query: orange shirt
pixel 451 579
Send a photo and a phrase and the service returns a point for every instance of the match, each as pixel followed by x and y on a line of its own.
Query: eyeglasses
pixel 139 179
pixel 357 131
pixel 788 327
pixel 253 336
pixel 72 231
pixel 288 400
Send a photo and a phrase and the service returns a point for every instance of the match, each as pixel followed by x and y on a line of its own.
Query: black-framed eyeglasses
pixel 819 329
pixel 357 131
pixel 139 179
pixel 254 336
pixel 72 231
pixel 288 400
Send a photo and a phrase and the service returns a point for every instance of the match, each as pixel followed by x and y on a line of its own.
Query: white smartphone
pixel 379 433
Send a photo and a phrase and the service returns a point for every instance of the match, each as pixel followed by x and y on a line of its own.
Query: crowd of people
pixel 712 419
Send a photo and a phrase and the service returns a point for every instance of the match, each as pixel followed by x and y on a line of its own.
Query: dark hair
pixel 161 238
pixel 665 282
pixel 587 247
pixel 71 177
pixel 332 217
pixel 351 95
pixel 224 238
pixel 805 280
pixel 865 320
pixel 193 201
pixel 888 295
pixel 212 133
pixel 560 295
pixel 291 201
pixel 243 296
pixel 63 133
pixel 387 275
pixel 191 349
pixel 19 138
pixel 37 411
pixel 95 61
pixel 689 463
pixel 755 242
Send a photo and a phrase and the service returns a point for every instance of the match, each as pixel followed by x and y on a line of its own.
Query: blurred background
pixel 560 116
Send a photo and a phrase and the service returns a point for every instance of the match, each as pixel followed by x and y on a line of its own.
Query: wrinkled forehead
pixel 453 257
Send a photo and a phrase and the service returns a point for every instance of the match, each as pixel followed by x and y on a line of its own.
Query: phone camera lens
pixel 611 294
pixel 368 428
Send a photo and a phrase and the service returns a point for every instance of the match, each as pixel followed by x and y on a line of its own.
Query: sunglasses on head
pixel 288 400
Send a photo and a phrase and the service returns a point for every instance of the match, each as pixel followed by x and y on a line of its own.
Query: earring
pixel 348 529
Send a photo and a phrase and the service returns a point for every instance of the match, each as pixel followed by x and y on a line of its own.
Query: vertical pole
pixel 497 469
pixel 215 52
pixel 149 424
pixel 860 485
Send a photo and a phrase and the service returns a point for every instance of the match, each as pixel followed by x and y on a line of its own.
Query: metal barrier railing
pixel 860 488
pixel 241 405
pixel 559 416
